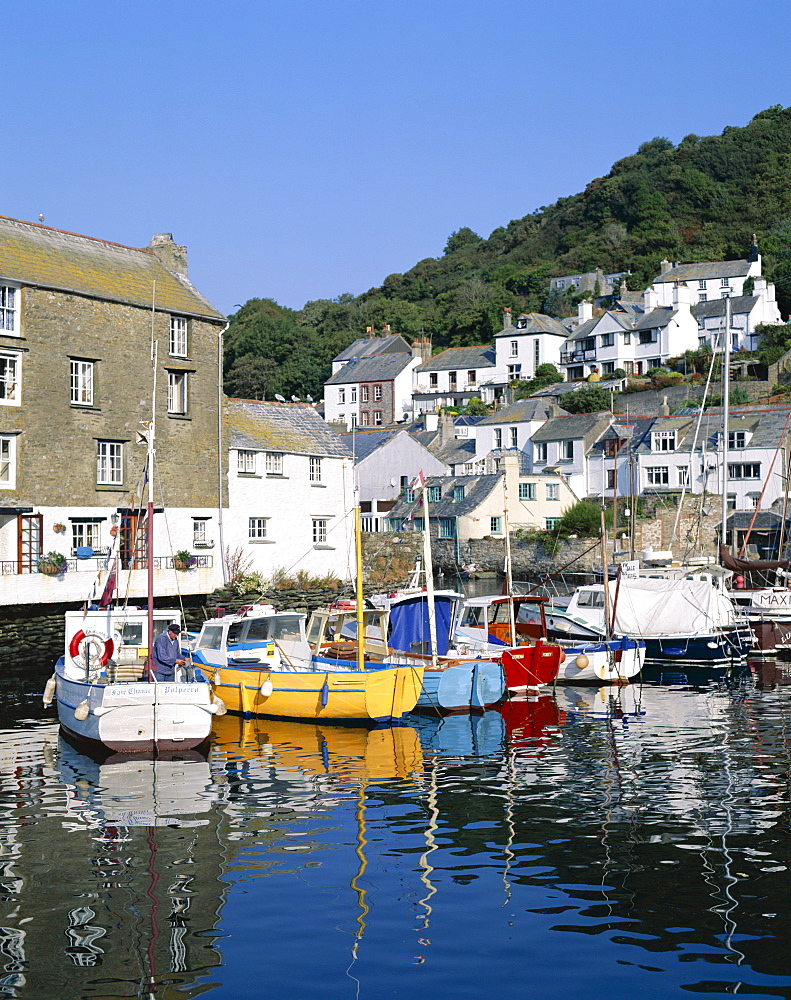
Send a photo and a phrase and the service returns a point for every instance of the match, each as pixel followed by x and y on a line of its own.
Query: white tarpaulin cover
pixel 653 607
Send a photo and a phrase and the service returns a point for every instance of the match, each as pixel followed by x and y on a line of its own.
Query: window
pixel 418 523
pixel 664 441
pixel 560 283
pixel 514 349
pixel 553 491
pixel 737 439
pixel 377 393
pixel 452 380
pixel 342 396
pixel 703 297
pixel 433 494
pixel 433 380
pixel 731 501
pixel 256 528
pixel 513 433
pixel 725 282
pixel 536 353
pixel 683 475
pixel 725 295
pixel 657 475
pixel 109 463
pixel 612 446
pixel 364 393
pixel 702 284
pixel 82 382
pixel 447 526
pixel 471 377
pixel 365 418
pixel 177 392
pixel 468 468
pixel 588 344
pixel 199 531
pixel 85 535
pixel 648 336
pixel 7 462
pixel 746 470
pixel 377 418
pixel 178 336
pixel 9 378
pixel 552 523
pixel 541 451
pixel 409 495
pixel 527 491
pixel 315 469
pixel 353 394
pixel 568 450
pixel 458 494
pixel 608 367
pixel 319 530
pixel 274 463
pixel 498 437
pixel 354 419
pixel 495 525
pixel 611 479
pixel 627 338
pixel 8 309
pixel 607 340
pixel 245 462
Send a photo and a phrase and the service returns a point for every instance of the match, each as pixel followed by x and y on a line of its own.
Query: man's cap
pixel 174 627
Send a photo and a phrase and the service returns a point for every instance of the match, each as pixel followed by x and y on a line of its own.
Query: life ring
pixel 80 649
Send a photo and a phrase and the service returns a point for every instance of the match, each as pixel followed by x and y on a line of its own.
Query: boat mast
pixel 432 620
pixel 150 512
pixel 358 550
pixel 726 388
pixel 606 572
pixel 509 577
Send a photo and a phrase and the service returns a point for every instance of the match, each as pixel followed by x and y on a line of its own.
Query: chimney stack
pixel 665 266
pixel 584 312
pixel 170 254
pixel 421 348
pixel 507 317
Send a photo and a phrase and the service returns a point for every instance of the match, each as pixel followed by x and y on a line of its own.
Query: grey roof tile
pixel 288 427
pixel 367 347
pixel 383 368
pixel 462 358
pixel 695 272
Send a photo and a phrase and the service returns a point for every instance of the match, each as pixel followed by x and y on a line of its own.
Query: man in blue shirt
pixel 167 653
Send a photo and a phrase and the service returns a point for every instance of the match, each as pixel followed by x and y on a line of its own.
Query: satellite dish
pixel 279 398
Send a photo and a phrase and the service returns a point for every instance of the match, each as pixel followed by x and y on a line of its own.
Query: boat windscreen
pixel 285 628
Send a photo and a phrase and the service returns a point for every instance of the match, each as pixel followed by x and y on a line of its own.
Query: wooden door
pixel 133 541
pixel 30 532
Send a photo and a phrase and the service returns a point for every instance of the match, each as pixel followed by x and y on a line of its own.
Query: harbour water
pixel 599 842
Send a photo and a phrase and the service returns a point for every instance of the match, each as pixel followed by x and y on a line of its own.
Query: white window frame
pixel 657 475
pixel 9 309
pixel 365 392
pixel 568 449
pixel 245 462
pixel 81 382
pixel 553 491
pixel 178 336
pixel 541 451
pixel 85 534
pixel 319 530
pixel 109 463
pixel 377 418
pixel 274 463
pixel 257 529
pixel 682 473
pixel 744 470
pixel 377 394
pixel 199 531
pixel 342 396
pixel 353 394
pixel 514 351
pixel 177 393
pixel 7 461
pixel 513 436
pixel 314 464
pixel 498 438
pixel 663 441
pixel 10 379
pixel 737 439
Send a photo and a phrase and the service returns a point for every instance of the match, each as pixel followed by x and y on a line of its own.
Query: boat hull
pixel 135 717
pixel 528 667
pixel 613 662
pixel 375 695
pixel 462 687
pixel 713 649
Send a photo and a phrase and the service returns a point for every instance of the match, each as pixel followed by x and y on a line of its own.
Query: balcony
pixel 576 357
pixel 26 587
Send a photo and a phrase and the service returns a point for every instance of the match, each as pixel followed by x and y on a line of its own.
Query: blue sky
pixel 306 148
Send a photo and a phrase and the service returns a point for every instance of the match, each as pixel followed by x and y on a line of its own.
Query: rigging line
pixel 766 483
pixel 167 532
pixel 692 453
pixel 556 572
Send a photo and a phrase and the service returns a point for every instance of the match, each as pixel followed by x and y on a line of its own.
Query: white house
pixel 563 443
pixel 371 392
pixel 747 311
pixel 533 340
pixel 654 456
pixel 370 347
pixel 513 427
pixel 454 376
pixel 290 490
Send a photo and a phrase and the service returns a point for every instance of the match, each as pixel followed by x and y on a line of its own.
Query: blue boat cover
pixel 409 624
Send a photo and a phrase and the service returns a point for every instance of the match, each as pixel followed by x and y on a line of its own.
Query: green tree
pixel 590 400
pixel 583 519
pixel 462 239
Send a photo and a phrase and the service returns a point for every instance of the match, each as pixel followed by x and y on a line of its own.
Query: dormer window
pixel 664 441
pixel 737 439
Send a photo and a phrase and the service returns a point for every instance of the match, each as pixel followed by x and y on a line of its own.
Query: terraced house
pixel 77 319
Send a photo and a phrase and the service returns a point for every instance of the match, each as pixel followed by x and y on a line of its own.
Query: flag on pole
pixel 419 480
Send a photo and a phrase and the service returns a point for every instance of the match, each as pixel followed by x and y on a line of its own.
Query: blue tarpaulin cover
pixel 409 624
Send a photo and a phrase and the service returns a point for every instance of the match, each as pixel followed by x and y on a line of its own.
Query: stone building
pixel 77 319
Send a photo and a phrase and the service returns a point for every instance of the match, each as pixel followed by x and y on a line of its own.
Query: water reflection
pixel 595 840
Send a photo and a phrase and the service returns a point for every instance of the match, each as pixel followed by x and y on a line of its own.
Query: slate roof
pixel 462 358
pixel 716 307
pixel 288 427
pixel 655 319
pixel 586 330
pixel 378 369
pixel 694 272
pixel 364 443
pixel 367 347
pixel 576 425
pixel 476 490
pixel 43 257
pixel 456 451
pixel 521 411
pixel 534 323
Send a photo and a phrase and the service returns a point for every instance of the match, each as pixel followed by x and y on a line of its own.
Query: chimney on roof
pixel 421 348
pixel 664 409
pixel 447 428
pixel 370 332
pixel 386 329
pixel 507 321
pixel 431 421
pixel 584 312
pixel 170 254
pixel 665 266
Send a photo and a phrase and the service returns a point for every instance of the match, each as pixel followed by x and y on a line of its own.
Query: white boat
pixel 103 697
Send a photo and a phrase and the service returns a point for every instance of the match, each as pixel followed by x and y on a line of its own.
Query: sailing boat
pixel 104 684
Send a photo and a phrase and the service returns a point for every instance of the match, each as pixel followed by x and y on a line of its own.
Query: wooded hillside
pixel 700 200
